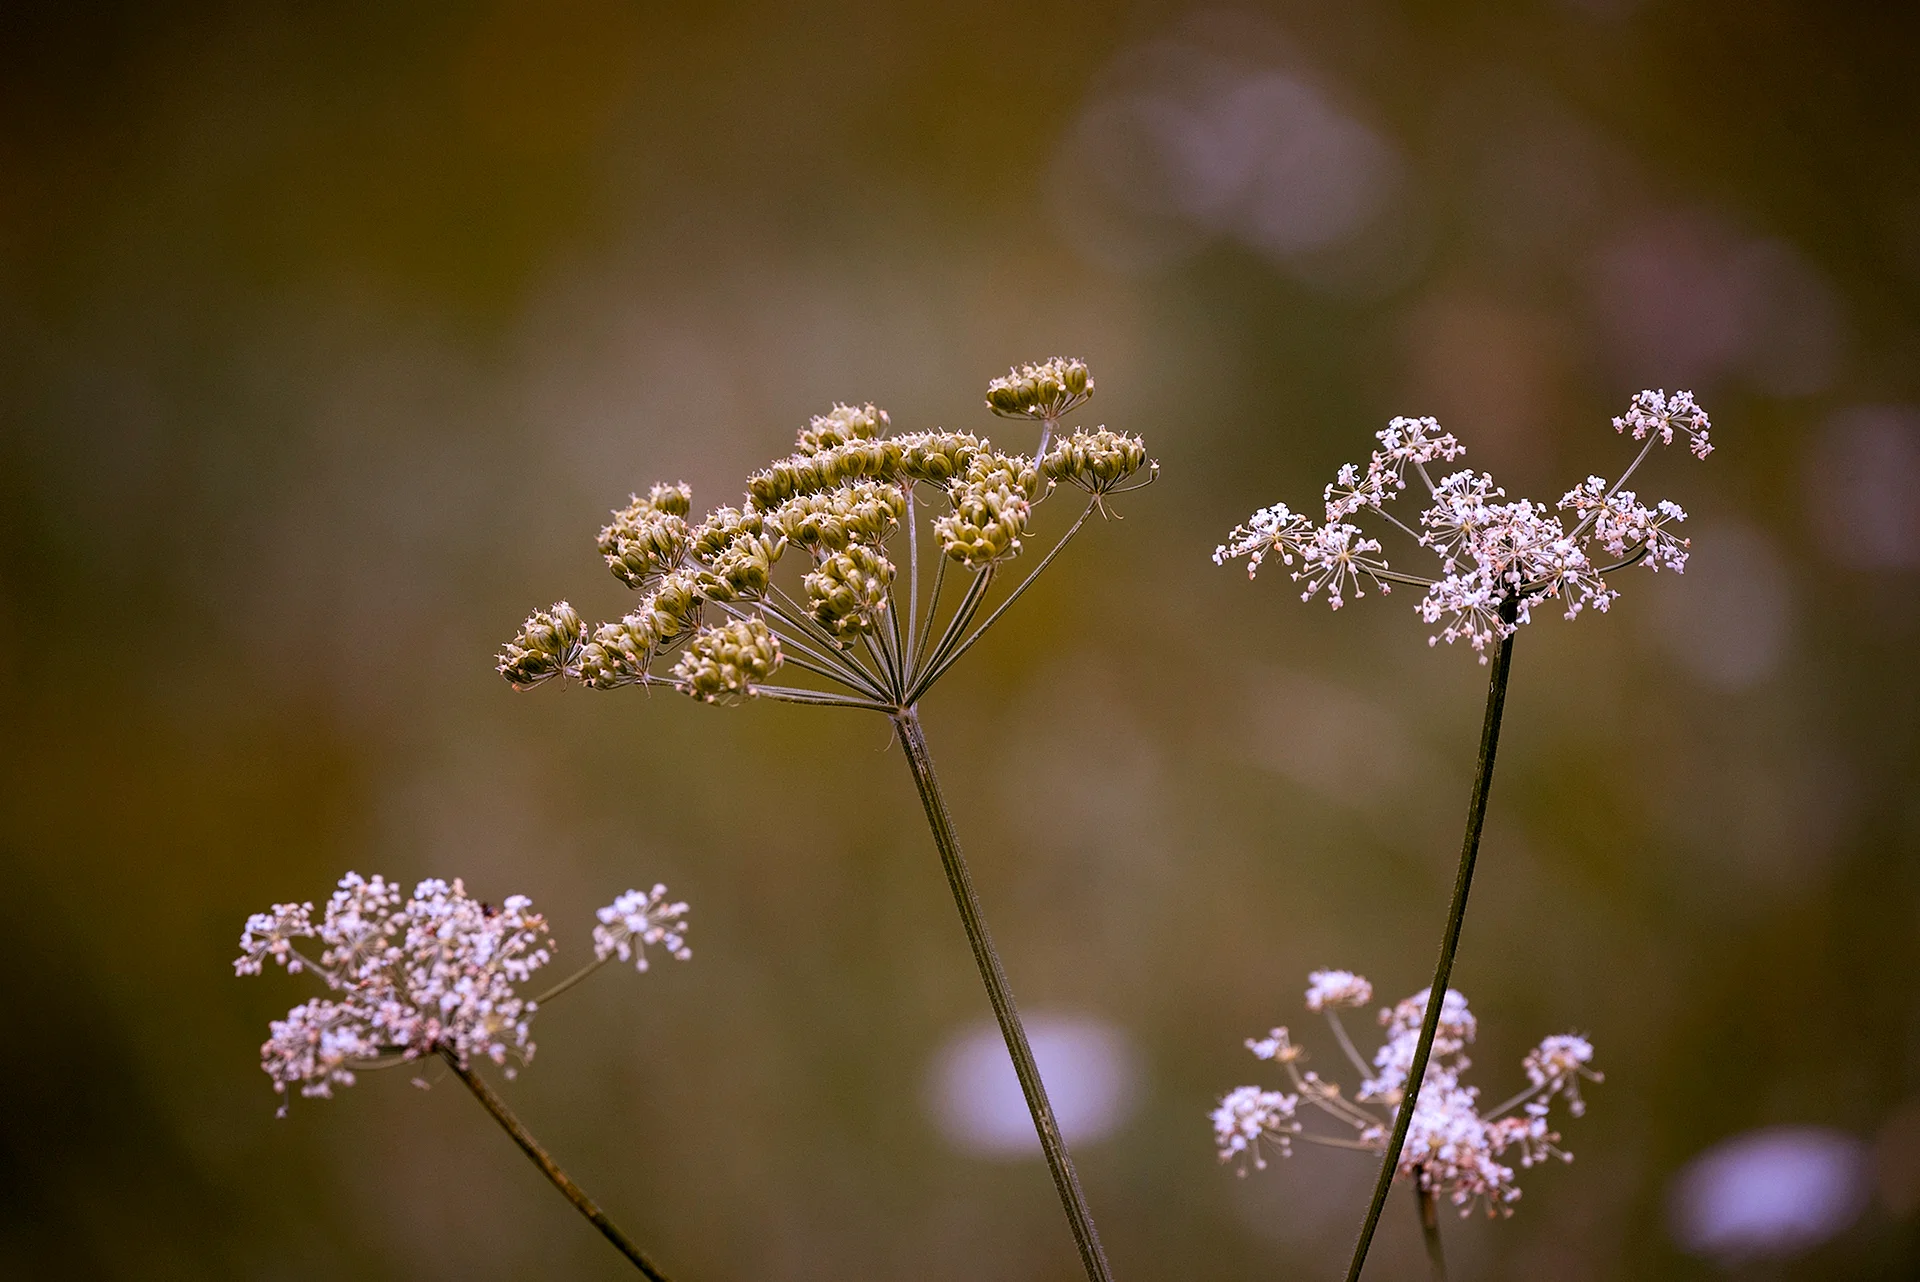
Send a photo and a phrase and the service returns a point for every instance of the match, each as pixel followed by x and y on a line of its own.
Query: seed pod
pixel 841 424
pixel 547 646
pixel 848 589
pixel 646 539
pixel 1094 461
pixel 726 660
pixel 937 457
pixel 619 653
pixel 1048 390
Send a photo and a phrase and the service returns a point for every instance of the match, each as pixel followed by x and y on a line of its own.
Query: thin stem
pixel 1346 1043
pixel 948 661
pixel 1334 1141
pixel 1428 1201
pixel 1384 575
pixel 828 666
pixel 1516 1101
pixel 1327 1098
pixel 906 723
pixel 1449 942
pixel 1625 476
pixel 933 608
pixel 820 698
pixel 956 626
pixel 913 567
pixel 549 1168
pixel 874 639
pixel 851 674
pixel 795 615
pixel 571 980
pixel 797 657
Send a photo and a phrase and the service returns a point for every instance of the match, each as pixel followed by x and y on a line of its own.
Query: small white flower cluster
pixel 1336 988
pixel 1454 1148
pixel 1657 414
pixel 411 976
pixel 1498 559
pixel 1247 1116
pixel 634 920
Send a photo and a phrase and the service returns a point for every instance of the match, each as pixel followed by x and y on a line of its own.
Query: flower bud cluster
pixel 990 510
pixel 842 496
pixel 878 458
pixel 839 425
pixel 1047 391
pixel 619 653
pixel 828 522
pixel 649 536
pixel 848 589
pixel 1096 461
pixel 938 458
pixel 547 645
pixel 726 660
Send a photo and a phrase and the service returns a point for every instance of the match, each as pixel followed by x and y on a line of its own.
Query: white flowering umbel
pixel 896 548
pixel 1496 558
pixel 432 973
pixel 633 921
pixel 1455 1149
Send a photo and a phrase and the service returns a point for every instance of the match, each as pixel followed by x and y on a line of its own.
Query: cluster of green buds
pixel 1097 461
pixel 548 646
pixel 990 510
pixel 1048 391
pixel 649 536
pixel 841 499
pixel 727 660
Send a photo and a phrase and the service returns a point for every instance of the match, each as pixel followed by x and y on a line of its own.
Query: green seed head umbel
pixel 547 645
pixel 839 425
pixel 649 536
pixel 990 510
pixel 1049 391
pixel 848 589
pixel 712 602
pixel 1096 461
pixel 725 661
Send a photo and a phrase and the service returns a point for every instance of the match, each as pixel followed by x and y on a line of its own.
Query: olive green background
pixel 328 334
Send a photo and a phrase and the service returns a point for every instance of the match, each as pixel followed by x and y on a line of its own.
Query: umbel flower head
pixel 1496 558
pixel 409 976
pixel 1455 1148
pixel 849 510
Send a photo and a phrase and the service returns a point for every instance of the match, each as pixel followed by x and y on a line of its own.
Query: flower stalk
pixel 1000 996
pixel 1427 1204
pixel 1449 941
pixel 876 634
pixel 498 1110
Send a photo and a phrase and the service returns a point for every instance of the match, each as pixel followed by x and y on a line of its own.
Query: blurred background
pixel 328 336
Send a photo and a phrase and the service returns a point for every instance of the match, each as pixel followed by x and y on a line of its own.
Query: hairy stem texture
pixel 1449 946
pixel 551 1169
pixel 907 723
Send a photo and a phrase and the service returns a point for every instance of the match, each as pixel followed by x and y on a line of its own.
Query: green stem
pixel 1449 942
pixel 550 1168
pixel 1429 1205
pixel 906 722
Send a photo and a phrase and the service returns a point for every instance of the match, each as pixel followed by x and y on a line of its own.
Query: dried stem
pixel 906 722
pixel 1449 942
pixel 550 1168
pixel 1428 1201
